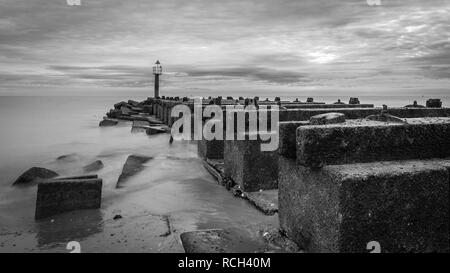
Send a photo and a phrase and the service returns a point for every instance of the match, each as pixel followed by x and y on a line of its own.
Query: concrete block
pixel 368 141
pixel 403 205
pixel 58 196
pixel 210 149
pixel 249 167
pixel 287 140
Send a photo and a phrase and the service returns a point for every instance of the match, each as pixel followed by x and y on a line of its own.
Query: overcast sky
pixel 239 44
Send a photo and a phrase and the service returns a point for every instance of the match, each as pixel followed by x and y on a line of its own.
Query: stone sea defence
pixel 362 181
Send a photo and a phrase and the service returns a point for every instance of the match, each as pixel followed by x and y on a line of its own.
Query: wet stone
pixel 59 196
pixel 35 175
pixel 94 166
pixel 328 118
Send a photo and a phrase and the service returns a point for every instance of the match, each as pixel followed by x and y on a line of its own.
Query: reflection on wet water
pixel 71 226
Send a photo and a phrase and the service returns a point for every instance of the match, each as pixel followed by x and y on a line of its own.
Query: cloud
pixel 204 43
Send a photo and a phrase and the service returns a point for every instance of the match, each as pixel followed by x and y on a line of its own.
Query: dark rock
pixel 434 103
pixel 133 103
pixel 34 175
pixel 309 100
pixel 113 113
pixel 133 165
pixel 106 122
pixel 58 196
pixel 277 99
pixel 94 166
pixel 68 157
pixel 339 102
pixel 121 104
pixel 117 217
pixel 137 109
pixel 353 101
pixel 328 118
pixel 154 131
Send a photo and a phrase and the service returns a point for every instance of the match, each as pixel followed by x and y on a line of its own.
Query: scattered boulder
pixel 327 118
pixel 125 111
pixel 310 100
pixel 117 217
pixel 354 101
pixel 34 175
pixel 133 103
pixel 107 122
pixel 339 102
pixel 94 166
pixel 434 103
pixel 113 113
pixel 133 165
pixel 68 157
pixel 121 104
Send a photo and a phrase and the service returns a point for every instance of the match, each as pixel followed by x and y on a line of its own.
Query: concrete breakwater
pixel 343 175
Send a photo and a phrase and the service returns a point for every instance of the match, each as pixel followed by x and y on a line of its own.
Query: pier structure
pixel 343 174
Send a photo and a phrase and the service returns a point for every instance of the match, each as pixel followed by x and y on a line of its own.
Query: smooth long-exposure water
pixel 174 193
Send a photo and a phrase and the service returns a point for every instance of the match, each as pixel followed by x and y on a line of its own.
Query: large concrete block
pixel 249 167
pixel 369 141
pixel 287 132
pixel 210 149
pixel 402 205
pixel 58 196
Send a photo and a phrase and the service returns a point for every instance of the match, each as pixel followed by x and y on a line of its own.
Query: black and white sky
pixel 240 44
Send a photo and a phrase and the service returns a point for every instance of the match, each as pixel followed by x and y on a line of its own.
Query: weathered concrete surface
pixel 210 149
pixel 94 166
pixel 34 175
pixel 368 141
pixel 133 165
pixel 403 205
pixel 58 196
pixel 358 113
pixel 287 140
pixel 265 201
pixel 249 167
pixel 231 240
pixel 108 122
pixel 328 118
